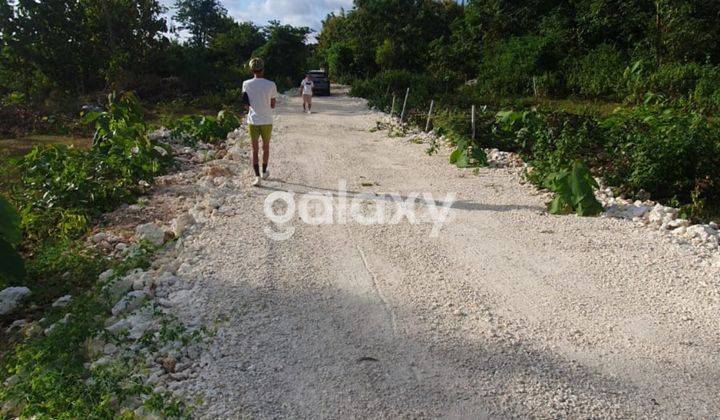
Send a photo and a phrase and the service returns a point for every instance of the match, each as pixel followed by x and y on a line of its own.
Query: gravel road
pixel 508 312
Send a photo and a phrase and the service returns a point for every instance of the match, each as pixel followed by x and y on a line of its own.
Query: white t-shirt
pixel 306 86
pixel 260 91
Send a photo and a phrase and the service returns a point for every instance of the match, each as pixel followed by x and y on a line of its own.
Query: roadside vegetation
pixel 82 85
pixel 58 196
pixel 624 89
pixel 60 56
pixel 628 88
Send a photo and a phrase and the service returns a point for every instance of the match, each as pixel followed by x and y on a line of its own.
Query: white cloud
pixel 308 13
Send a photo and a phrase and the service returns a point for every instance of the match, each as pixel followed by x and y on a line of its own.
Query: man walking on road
pixel 306 88
pixel 261 95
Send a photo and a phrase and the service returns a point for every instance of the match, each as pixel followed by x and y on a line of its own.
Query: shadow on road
pixel 339 362
pixel 385 196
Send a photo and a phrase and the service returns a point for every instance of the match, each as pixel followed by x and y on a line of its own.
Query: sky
pixel 291 12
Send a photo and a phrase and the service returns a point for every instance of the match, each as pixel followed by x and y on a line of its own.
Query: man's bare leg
pixel 256 160
pixel 266 157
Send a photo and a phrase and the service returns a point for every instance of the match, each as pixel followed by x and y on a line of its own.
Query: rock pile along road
pixel 507 312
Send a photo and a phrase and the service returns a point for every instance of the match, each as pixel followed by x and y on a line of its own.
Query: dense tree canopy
pixel 284 51
pixel 202 18
pixel 64 48
pixel 79 44
pixel 531 47
pixel 600 49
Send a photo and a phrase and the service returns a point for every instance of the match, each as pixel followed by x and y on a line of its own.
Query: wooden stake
pixel 402 114
pixel 427 123
pixel 392 108
pixel 472 121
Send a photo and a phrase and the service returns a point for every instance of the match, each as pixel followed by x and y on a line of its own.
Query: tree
pixel 203 18
pixel 79 45
pixel 125 36
pixel 339 58
pixel 285 52
pixel 236 44
pixel 230 51
pixel 49 38
pixel 388 34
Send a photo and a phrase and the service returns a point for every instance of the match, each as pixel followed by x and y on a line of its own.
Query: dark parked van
pixel 321 82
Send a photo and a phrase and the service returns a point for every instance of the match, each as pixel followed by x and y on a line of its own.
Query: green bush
pixel 62 188
pixel 340 62
pixel 205 128
pixel 380 89
pixel 690 85
pixel 574 191
pixel 510 65
pixel 60 267
pixel 452 124
pixel 599 73
pixel 670 154
pixel 675 80
pixel 707 89
pixel 673 155
pixel 554 140
pixel 12 267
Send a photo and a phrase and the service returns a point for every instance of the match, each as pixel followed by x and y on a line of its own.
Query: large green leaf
pixel 9 223
pixel 462 160
pixel 559 205
pixel 559 183
pixel 479 156
pixel 11 263
pixel 573 191
pixel 582 184
pixel 454 155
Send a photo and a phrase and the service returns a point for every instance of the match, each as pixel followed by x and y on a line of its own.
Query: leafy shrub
pixel 675 79
pixel 665 152
pixel 205 128
pixel 452 124
pixel 555 140
pixel 340 62
pixel 707 90
pixel 12 268
pixel 62 188
pixel 672 154
pixel 516 128
pixel 689 85
pixel 467 154
pixel 380 89
pixel 599 73
pixel 62 267
pixel 456 126
pixel 123 118
pixel 573 188
pixel 510 65
pixel 547 84
pixel 635 77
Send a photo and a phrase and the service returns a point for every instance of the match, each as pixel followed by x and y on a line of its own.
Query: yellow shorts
pixel 256 131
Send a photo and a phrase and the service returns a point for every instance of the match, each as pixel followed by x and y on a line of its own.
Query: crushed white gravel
pixel 509 312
